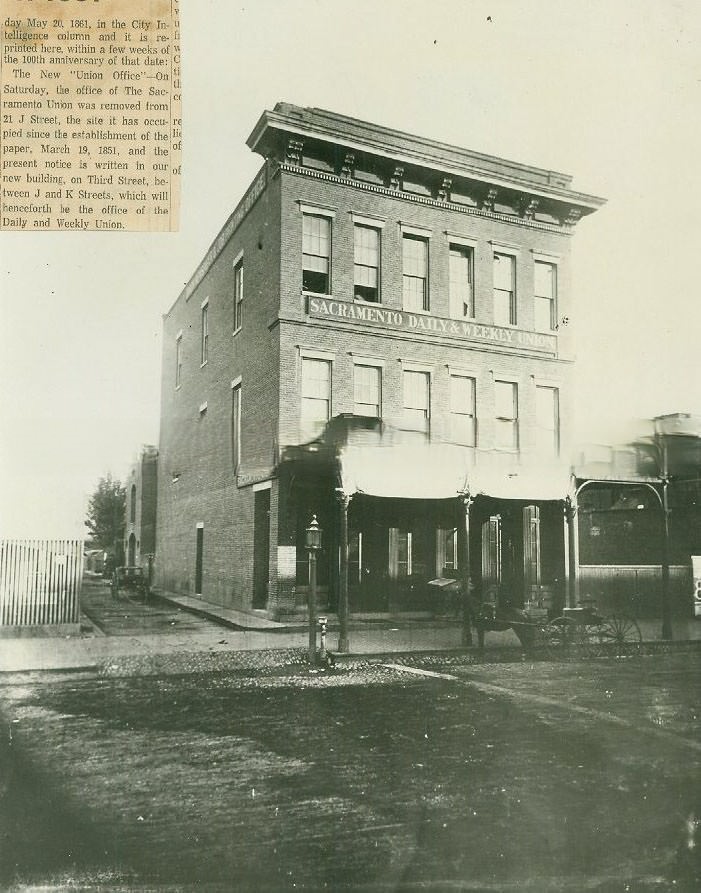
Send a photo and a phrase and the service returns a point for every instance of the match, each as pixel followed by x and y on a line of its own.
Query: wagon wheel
pixel 590 639
pixel 557 636
pixel 583 638
pixel 621 632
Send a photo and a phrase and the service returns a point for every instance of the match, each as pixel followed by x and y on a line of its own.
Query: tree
pixel 106 516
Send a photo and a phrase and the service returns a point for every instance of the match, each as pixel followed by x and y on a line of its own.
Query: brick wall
pixel 345 341
pixel 197 478
pixel 141 482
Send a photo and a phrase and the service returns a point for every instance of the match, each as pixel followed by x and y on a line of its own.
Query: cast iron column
pixel 466 501
pixel 666 612
pixel 343 608
pixel 571 517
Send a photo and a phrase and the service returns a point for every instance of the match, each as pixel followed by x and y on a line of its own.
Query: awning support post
pixel 343 611
pixel 572 556
pixel 467 501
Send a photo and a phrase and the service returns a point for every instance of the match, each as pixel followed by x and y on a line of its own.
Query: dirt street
pixel 397 774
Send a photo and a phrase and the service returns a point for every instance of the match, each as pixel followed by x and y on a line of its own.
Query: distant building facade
pixel 141 501
pixel 379 336
pixel 620 507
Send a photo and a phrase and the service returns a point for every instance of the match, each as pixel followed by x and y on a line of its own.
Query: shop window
pixel 366 249
pixel 316 396
pixel 316 253
pixel 545 296
pixel 506 412
pixel 531 546
pixel 504 290
pixel 460 281
pixel 400 553
pixel 415 272
pixel 446 550
pixel 491 550
pixel 367 391
pixel 462 410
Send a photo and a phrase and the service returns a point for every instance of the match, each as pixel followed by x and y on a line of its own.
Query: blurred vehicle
pixel 131 582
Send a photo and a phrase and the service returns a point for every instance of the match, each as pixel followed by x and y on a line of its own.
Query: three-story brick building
pixel 379 336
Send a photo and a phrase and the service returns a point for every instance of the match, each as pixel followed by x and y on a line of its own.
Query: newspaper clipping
pixel 91 120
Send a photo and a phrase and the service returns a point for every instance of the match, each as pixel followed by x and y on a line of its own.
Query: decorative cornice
pixel 444 190
pixel 529 207
pixel 489 199
pixel 395 181
pixel 404 149
pixel 563 228
pixel 572 217
pixel 293 154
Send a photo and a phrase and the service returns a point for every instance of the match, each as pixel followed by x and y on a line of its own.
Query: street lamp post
pixel 313 544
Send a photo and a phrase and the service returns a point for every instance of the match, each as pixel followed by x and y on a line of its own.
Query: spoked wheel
pixel 557 637
pixel 565 636
pixel 620 634
pixel 587 637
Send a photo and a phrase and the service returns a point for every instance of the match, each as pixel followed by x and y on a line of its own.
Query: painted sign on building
pixel 419 323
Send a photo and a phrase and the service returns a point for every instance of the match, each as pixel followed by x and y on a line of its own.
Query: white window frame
pixel 359 364
pixel 178 360
pixel 236 404
pixel 454 244
pixel 427 371
pixel 318 356
pixel 454 374
pixel 553 448
pixel 499 252
pixel 551 262
pixel 422 235
pixel 513 419
pixel 204 332
pixel 357 226
pixel 329 215
pixel 238 292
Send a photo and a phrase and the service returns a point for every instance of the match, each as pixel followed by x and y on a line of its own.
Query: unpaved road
pixel 572 776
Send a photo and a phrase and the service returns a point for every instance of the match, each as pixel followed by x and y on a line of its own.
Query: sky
pixel 609 92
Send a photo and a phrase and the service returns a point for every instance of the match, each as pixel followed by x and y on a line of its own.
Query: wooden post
pixel 666 608
pixel 464 538
pixel 572 558
pixel 343 608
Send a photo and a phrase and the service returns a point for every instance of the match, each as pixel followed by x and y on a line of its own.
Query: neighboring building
pixel 621 501
pixel 379 336
pixel 94 561
pixel 141 500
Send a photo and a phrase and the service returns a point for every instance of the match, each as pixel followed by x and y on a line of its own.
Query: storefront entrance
pixel 397 546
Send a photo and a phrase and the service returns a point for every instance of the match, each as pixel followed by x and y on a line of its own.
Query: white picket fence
pixel 40 582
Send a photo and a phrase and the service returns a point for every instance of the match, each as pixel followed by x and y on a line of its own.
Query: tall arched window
pixel 132 507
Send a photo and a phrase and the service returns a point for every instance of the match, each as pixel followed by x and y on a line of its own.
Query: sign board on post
pixel 696 574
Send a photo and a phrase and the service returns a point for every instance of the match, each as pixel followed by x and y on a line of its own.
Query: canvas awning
pixel 443 471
